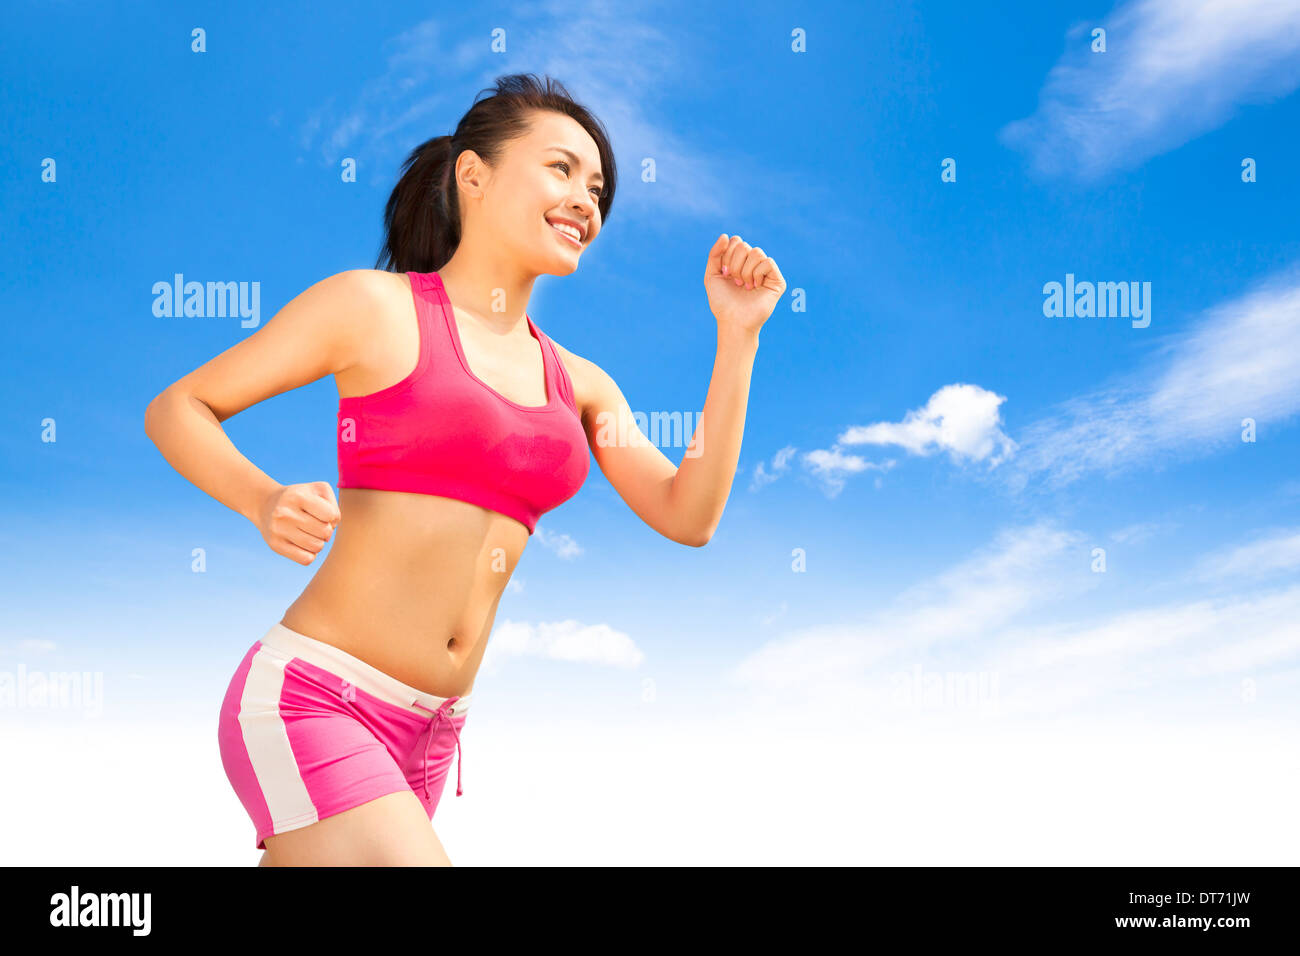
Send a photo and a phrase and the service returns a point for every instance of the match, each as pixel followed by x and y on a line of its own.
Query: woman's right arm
pixel 316 334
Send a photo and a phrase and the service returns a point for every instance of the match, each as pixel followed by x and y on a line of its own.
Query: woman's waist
pixel 400 602
pixel 432 653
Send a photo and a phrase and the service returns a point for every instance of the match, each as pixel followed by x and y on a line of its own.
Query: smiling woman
pixel 460 425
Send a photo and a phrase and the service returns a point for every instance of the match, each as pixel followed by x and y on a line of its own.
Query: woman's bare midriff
pixel 411 585
pixel 411 582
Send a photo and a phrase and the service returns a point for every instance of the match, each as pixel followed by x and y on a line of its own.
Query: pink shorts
pixel 307 731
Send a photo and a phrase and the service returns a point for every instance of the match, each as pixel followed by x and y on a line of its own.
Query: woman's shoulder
pixel 379 279
pixel 376 285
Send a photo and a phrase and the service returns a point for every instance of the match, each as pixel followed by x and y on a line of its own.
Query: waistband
pixel 357 672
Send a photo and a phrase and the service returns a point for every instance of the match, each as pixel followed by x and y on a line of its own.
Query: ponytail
pixel 422 218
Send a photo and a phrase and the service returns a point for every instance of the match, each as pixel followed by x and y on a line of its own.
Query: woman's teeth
pixel 568 232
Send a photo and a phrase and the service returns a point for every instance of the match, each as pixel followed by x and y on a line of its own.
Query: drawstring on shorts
pixel 443 711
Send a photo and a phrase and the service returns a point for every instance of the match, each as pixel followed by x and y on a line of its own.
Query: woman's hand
pixel 297 520
pixel 743 284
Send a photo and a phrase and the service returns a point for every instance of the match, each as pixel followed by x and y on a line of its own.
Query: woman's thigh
pixel 392 830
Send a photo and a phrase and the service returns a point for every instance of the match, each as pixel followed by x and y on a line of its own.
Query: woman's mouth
pixel 565 233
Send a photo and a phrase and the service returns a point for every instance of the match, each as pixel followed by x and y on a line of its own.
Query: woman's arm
pixel 743 284
pixel 192 440
pixel 699 491
pixel 315 334
pixel 685 503
pixel 636 468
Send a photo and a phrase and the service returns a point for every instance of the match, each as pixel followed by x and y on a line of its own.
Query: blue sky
pixel 943 457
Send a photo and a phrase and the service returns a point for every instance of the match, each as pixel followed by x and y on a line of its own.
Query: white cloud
pixel 35 645
pixel 1172 70
pixel 1140 531
pixel 962 420
pixel 830 466
pixel 1241 360
pixel 1023 568
pixel 992 624
pixel 1278 550
pixel 1147 652
pixel 563 545
pixel 780 461
pixel 561 641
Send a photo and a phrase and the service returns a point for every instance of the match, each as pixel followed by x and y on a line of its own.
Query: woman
pixel 339 726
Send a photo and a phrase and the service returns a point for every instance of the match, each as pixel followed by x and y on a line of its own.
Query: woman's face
pixel 551 174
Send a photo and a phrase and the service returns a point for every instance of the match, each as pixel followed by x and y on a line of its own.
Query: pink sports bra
pixel 443 431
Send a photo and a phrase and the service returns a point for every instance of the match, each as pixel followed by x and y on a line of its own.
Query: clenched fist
pixel 297 520
pixel 742 283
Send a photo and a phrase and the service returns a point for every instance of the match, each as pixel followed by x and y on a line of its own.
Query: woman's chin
pixel 563 267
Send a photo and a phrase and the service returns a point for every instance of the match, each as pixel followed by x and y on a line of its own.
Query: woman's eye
pixel 561 162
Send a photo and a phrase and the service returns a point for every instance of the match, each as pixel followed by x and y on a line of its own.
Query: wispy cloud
pixel 432 72
pixel 831 466
pixel 562 544
pixel 1141 531
pixel 1172 70
pixel 1149 651
pixel 561 641
pixel 34 645
pixel 1278 550
pixel 392 102
pixel 1240 361
pixel 981 620
pixel 780 461
pixel 1021 569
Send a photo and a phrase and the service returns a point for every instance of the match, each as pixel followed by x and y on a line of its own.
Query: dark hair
pixel 422 218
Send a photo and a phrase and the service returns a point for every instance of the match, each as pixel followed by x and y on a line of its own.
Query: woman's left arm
pixel 743 285
pixel 685 503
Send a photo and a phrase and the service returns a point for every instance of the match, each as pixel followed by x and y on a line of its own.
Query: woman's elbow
pixel 696 539
pixel 151 415
pixel 157 410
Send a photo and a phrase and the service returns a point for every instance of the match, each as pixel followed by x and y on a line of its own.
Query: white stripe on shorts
pixel 267 741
